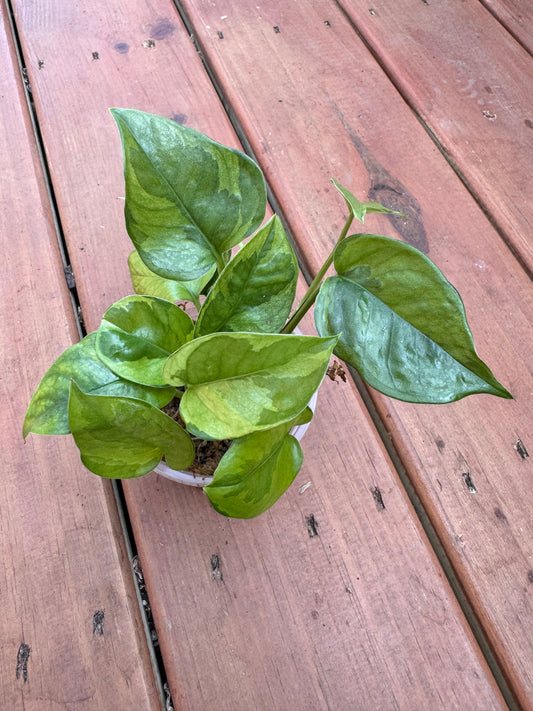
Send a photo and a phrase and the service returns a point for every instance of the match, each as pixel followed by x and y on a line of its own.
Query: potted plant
pixel 156 381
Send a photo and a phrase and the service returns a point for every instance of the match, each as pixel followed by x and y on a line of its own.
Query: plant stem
pixel 221 262
pixel 196 302
pixel 312 292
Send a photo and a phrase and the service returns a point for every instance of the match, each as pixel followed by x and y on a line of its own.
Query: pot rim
pixel 201 480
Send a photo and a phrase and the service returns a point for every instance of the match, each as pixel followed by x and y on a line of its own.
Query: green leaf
pixel 149 283
pixel 402 324
pixel 256 290
pixel 242 382
pixel 302 418
pixel 255 472
pixel 188 199
pixel 360 209
pixel 137 335
pixel 48 410
pixel 121 438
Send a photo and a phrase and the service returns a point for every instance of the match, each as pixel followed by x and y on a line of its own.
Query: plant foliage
pixel 194 211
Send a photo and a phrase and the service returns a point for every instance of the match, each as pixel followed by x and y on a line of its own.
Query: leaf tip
pixel 504 393
pixel 115 113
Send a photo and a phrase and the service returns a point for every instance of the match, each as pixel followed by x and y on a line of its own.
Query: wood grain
pixel 335 114
pixel 254 614
pixel 468 79
pixel 516 16
pixel 72 634
pixel 137 58
pixel 332 599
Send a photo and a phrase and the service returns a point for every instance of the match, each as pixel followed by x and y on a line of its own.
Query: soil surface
pixel 208 453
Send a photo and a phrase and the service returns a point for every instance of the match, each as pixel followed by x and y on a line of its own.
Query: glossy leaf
pixel 188 199
pixel 360 209
pixel 137 335
pixel 121 438
pixel 402 324
pixel 256 290
pixel 149 283
pixel 238 383
pixel 255 472
pixel 48 410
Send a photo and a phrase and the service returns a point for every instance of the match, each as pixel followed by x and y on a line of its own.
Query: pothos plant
pixel 237 369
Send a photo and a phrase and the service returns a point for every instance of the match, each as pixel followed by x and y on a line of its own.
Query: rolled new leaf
pixel 255 472
pixel 188 198
pixel 402 324
pixel 256 290
pixel 138 333
pixel 120 438
pixel 238 383
pixel 48 410
pixel 360 209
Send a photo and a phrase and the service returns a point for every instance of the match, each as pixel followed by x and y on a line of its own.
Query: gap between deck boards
pixel 418 507
pixel 424 519
pixel 61 242
pixel 127 532
pixel 425 123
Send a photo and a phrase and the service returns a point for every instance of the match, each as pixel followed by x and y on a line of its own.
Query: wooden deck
pixel 420 599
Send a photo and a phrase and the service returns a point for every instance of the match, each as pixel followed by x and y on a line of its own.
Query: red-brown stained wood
pixel 322 108
pixel 470 81
pixel 257 614
pixel 83 62
pixel 516 16
pixel 71 629
pixel 330 600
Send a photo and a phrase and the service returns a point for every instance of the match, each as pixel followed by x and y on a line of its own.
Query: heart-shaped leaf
pixel 402 324
pixel 188 199
pixel 255 472
pixel 256 290
pixel 238 383
pixel 137 335
pixel 360 209
pixel 121 438
pixel 149 283
pixel 48 410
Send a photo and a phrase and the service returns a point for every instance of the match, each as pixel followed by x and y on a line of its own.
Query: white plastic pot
pixel 191 479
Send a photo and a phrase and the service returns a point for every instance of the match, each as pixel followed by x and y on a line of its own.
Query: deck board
pixel 72 633
pixel 360 614
pixel 372 138
pixel 470 82
pixel 516 16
